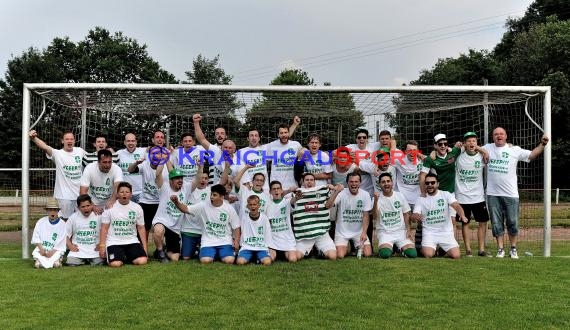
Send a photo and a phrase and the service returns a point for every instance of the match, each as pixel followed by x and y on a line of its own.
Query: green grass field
pixel 473 293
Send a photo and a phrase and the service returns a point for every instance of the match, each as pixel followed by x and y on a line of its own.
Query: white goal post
pixel 408 112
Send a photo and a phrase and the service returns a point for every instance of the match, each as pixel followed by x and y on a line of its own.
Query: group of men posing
pixel 236 201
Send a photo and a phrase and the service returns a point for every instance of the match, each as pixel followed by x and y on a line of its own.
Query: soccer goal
pixel 408 112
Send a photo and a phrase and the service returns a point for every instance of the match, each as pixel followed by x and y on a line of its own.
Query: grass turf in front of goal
pixel 349 293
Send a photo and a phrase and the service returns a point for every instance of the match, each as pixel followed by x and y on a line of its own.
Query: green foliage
pixel 100 57
pixel 221 107
pixel 333 116
pixel 533 51
pixel 467 69
pixel 537 13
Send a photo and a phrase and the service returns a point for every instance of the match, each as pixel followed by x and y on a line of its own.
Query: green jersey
pixel 444 168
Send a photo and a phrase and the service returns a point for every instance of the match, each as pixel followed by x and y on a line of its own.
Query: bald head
pixel 130 142
pixel 229 146
pixel 500 137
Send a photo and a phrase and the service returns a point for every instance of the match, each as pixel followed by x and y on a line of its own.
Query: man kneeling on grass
pixel 219 220
pixel 119 226
pixel 393 226
pixel 255 234
pixel 82 231
pixel 49 238
pixel 433 211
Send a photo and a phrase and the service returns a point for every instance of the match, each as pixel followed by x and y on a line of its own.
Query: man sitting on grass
pixel 49 238
pixel 255 234
pixel 82 234
pixel 219 221
pixel 119 227
pixel 393 226
pixel 433 211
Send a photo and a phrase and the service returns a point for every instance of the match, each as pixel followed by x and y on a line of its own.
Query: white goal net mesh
pixel 334 114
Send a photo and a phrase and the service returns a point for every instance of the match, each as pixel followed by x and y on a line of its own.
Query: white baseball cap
pixel 439 137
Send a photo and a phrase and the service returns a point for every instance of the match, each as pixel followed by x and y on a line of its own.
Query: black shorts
pixel 149 211
pixel 479 211
pixel 280 255
pixel 125 253
pixel 172 240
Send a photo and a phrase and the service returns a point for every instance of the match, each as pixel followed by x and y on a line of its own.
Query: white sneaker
pixel 500 253
pixel 57 264
pixel 513 253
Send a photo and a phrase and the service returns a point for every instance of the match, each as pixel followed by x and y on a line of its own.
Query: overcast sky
pixel 352 42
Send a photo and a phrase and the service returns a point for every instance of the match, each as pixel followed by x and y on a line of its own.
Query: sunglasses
pixel 442 144
pixel 430 183
pixel 362 137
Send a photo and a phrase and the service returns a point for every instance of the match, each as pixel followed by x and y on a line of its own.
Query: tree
pixel 539 57
pixel 100 57
pixel 220 106
pixel 332 115
pixel 536 13
pixel 467 69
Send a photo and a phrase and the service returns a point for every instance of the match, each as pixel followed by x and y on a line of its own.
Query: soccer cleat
pixel 469 253
pixel 162 256
pixel 482 254
pixel 500 253
pixel 513 253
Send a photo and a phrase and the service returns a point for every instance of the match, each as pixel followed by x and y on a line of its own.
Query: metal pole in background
pixel 547 175
pixel 25 173
pixel 83 142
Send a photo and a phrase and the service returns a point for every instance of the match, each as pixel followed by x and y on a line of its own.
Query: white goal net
pixel 409 113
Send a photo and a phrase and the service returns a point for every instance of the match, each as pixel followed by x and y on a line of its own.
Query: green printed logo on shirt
pixel 92 224
pixel 359 204
pixel 440 202
pixel 397 204
pixel 54 236
pixel 283 209
pixel 260 230
pixel 108 182
pixel 223 217
pixel 477 164
pixel 132 215
pixel 77 159
pixel 505 154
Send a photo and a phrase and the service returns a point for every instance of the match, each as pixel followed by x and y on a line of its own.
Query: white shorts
pixel 445 240
pixel 324 243
pixel 398 238
pixel 66 207
pixel 47 262
pixel 343 241
pixel 282 245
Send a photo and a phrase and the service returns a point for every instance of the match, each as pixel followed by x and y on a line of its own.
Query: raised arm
pixel 374 212
pixel 225 174
pixel 423 184
pixel 179 205
pixel 539 148
pixel 197 176
pixel 39 143
pixel 134 167
pixel 196 118
pixel 337 189
pixel 240 174
pixel 296 122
